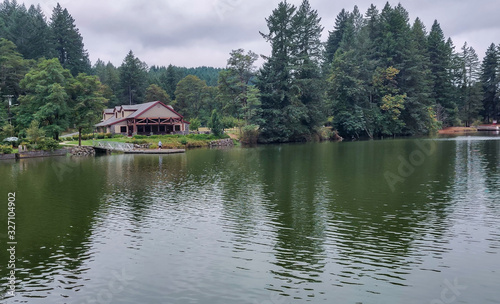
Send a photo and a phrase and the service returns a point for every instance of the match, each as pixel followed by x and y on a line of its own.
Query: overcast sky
pixel 202 32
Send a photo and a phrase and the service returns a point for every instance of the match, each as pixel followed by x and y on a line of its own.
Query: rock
pixel 82 151
pixel 227 142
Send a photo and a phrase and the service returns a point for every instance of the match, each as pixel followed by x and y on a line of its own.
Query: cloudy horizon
pixel 203 33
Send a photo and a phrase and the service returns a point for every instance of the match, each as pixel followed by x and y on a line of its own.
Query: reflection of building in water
pixel 144 171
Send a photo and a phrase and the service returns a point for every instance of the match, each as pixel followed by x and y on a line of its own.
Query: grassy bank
pixel 168 141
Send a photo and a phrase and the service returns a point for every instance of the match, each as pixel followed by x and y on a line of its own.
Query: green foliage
pixel 290 81
pixel 6 149
pixel 46 99
pixel 87 96
pixel 68 42
pixel 229 122
pixel 195 124
pixel 47 144
pixel 133 75
pixel 7 130
pixel 216 124
pixel 235 92
pixel 155 93
pixel 490 81
pixel 35 134
pixel 191 97
pixel 13 68
pixel 249 134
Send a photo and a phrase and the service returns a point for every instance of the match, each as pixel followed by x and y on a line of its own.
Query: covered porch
pixel 155 126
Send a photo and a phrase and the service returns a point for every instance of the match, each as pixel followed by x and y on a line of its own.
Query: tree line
pixel 376 75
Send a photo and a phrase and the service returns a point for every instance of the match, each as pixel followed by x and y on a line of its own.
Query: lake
pixel 392 221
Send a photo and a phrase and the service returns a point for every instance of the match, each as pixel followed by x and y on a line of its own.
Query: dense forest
pixel 378 74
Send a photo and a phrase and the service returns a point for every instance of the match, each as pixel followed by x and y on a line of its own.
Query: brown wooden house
pixel 150 118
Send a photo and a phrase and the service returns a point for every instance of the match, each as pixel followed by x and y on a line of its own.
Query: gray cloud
pixel 203 32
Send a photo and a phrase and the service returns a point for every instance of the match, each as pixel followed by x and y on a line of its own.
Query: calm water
pixel 397 221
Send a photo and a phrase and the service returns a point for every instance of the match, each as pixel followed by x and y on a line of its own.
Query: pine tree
pixel 275 77
pixel 470 103
pixel 307 80
pixel 419 113
pixel 490 79
pixel 133 75
pixel 12 68
pixel 335 37
pixel 68 42
pixel 170 81
pixel 440 55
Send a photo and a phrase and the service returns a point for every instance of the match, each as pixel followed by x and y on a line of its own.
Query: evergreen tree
pixel 490 79
pixel 335 37
pixel 68 42
pixel 172 78
pixel 307 78
pixel 440 56
pixel 470 103
pixel 275 78
pixel 133 75
pixel 40 41
pixel 12 69
pixel 419 112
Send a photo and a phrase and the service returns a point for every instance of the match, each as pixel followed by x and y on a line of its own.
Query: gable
pixel 158 110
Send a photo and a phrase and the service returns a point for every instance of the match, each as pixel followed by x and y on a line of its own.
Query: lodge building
pixel 152 118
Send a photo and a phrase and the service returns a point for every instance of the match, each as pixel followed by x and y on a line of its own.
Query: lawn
pixel 168 141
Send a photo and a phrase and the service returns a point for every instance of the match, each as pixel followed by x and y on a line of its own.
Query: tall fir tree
pixel 68 42
pixel 335 37
pixel 490 79
pixel 275 77
pixel 307 79
pixel 133 75
pixel 440 56
pixel 470 101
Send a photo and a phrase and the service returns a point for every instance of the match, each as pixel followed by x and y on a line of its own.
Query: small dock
pixel 488 128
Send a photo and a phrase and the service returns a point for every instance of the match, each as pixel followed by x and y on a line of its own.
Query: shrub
pixel 6 149
pixel 184 140
pixel 48 144
pixel 138 141
pixel 325 133
pixel 249 134
pixel 100 135
pixel 195 124
pixel 216 124
pixel 108 135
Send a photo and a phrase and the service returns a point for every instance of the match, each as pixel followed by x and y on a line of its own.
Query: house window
pixel 123 129
pixel 123 114
pixel 177 128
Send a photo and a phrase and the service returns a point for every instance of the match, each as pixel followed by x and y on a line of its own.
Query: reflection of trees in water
pixel 54 221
